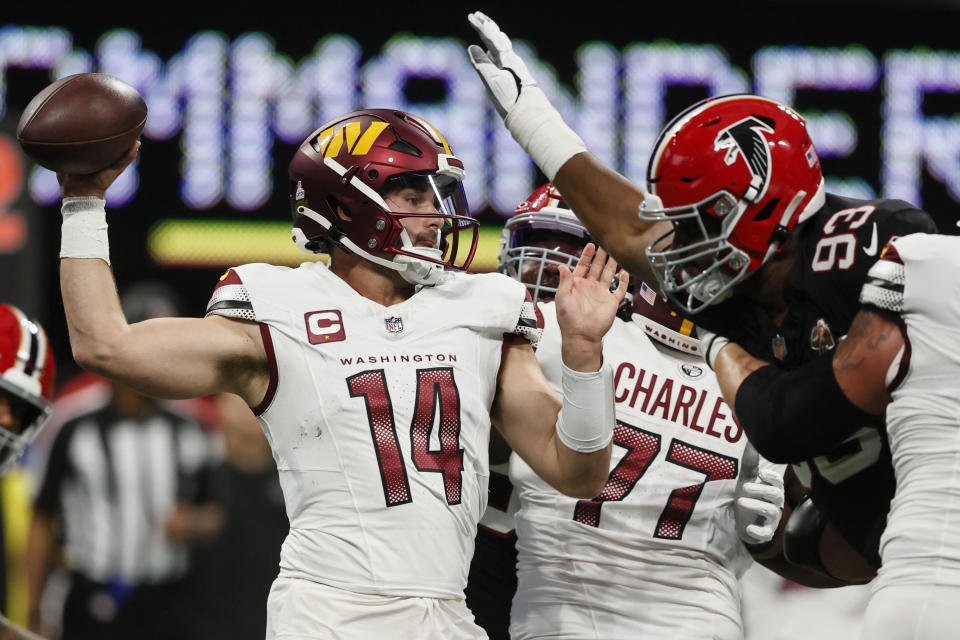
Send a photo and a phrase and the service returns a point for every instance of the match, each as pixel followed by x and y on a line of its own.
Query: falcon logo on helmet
pixel 745 139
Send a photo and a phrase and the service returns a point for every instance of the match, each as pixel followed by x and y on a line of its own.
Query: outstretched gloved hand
pixel 501 69
pixel 528 115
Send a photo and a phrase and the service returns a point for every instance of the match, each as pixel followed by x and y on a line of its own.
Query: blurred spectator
pixel 128 479
pixel 232 578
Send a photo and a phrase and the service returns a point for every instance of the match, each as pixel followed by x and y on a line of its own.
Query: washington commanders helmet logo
pixel 745 138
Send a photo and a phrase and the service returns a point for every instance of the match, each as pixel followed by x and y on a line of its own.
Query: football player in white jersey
pixel 658 552
pixel 900 359
pixel 376 379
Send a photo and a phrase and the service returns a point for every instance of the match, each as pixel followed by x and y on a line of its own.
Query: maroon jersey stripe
pixel 904 360
pixel 230 277
pixel 272 360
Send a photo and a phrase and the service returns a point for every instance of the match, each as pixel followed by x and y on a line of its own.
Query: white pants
pixel 917 612
pixel 642 621
pixel 299 609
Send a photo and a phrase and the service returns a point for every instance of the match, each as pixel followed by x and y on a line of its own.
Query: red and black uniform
pixel 852 482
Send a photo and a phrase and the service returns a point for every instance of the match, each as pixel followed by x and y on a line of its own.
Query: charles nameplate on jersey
pixel 324 326
pixel 394 324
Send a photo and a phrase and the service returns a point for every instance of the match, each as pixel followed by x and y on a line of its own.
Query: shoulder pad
pixel 883 287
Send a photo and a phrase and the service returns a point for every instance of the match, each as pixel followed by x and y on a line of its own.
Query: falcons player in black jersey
pixel 737 229
pixel 761 254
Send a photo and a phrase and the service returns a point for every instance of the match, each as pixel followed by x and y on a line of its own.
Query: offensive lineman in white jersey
pixel 659 552
pixel 375 380
pixel 900 359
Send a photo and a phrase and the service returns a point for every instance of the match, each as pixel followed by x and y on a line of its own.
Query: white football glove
pixel 528 115
pixel 759 499
pixel 502 71
pixel 710 345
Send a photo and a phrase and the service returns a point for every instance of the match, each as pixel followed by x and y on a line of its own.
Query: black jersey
pixel 852 483
pixel 837 248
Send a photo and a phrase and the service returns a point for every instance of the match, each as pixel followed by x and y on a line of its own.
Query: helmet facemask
pixel 417 264
pixel 535 243
pixel 695 263
pixel 542 282
pixel 27 371
pixel 29 412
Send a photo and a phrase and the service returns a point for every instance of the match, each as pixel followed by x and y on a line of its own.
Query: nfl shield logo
pixel 394 324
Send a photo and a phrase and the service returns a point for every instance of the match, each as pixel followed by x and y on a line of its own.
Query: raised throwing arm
pixel 164 357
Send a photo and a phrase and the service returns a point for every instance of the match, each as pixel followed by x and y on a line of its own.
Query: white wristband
pixel 710 346
pixel 542 133
pixel 586 420
pixel 84 230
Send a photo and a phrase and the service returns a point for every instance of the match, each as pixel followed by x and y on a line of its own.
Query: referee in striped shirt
pixel 128 482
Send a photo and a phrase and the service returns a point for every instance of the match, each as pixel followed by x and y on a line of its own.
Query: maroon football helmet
pixel 26 381
pixel 351 162
pixel 734 175
pixel 543 231
pixel 662 323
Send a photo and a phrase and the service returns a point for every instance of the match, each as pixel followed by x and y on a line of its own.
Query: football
pixel 82 123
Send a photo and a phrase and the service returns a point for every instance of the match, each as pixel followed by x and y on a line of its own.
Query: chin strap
pixel 415 270
pixel 705 289
pixel 412 269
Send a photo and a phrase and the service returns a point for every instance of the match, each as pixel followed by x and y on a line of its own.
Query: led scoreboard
pixel 231 103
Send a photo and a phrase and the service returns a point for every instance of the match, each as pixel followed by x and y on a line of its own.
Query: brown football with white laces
pixel 82 123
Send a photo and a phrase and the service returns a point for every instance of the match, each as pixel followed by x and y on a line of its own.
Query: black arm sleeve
pixel 790 416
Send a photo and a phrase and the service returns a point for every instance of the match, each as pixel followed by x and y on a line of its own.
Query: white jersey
pixel 920 279
pixel 657 556
pixel 378 418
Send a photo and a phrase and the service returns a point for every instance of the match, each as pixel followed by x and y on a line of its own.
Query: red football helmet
pixel 734 174
pixel 351 162
pixel 26 381
pixel 542 232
